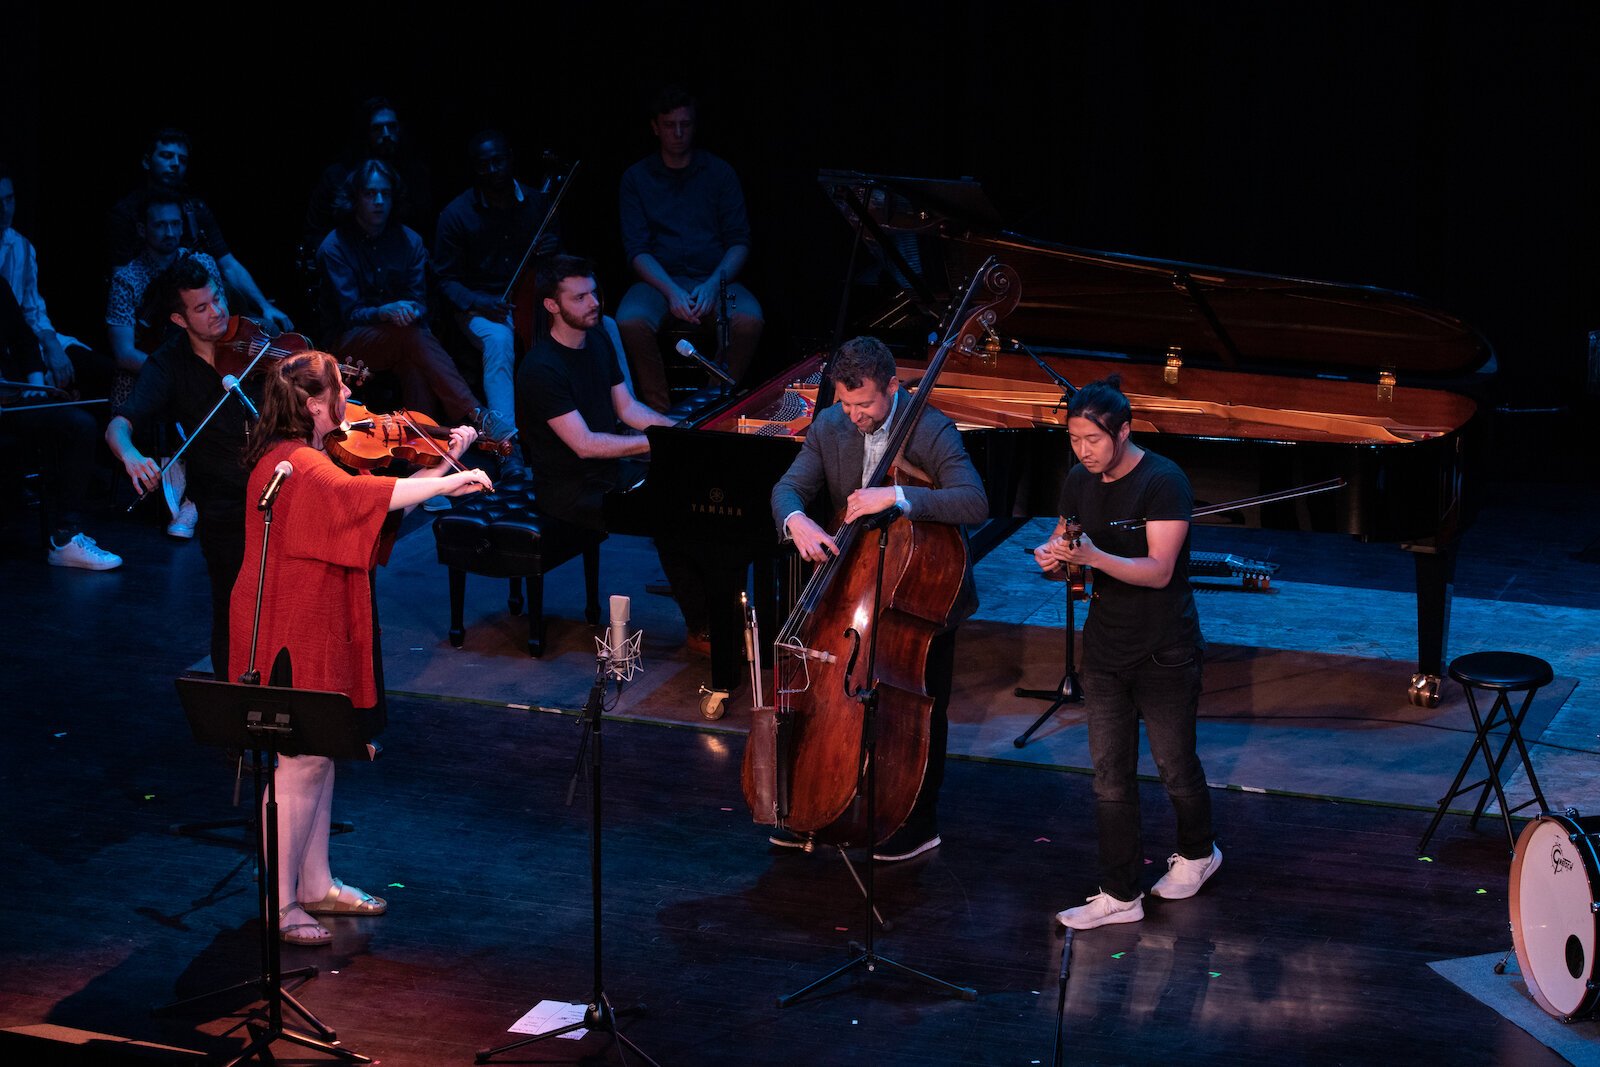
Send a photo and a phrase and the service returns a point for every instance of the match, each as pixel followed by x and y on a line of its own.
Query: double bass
pixel 861 634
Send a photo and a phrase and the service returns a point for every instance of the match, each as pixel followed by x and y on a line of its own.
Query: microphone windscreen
pixel 283 469
pixel 685 348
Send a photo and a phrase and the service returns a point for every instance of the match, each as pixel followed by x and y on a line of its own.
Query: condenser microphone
pixel 619 651
pixel 688 351
pixel 280 474
pixel 231 384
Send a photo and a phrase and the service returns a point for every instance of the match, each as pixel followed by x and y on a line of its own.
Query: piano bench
pixel 502 535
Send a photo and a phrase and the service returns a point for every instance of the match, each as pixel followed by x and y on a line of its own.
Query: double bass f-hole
pixel 850 665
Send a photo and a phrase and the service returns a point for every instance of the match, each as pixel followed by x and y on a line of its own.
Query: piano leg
pixel 1436 572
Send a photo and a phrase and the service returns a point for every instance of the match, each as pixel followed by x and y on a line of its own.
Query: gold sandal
pixel 333 902
pixel 312 933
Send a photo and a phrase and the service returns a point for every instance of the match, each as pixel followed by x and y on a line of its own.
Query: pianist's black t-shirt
pixel 552 381
pixel 1128 622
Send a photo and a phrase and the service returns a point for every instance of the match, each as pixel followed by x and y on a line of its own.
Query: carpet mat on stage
pixel 1277 720
pixel 1577 1042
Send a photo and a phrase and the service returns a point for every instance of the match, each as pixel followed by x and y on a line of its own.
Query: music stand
pixel 268 720
pixel 1068 691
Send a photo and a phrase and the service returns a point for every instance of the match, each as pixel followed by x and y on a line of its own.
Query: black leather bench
pixel 503 535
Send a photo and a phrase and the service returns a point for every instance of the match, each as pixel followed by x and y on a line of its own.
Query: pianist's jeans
pixel 1163 689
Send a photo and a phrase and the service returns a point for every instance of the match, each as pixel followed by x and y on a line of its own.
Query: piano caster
pixel 713 703
pixel 1424 691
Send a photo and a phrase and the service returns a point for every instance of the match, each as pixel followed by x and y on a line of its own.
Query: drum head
pixel 1553 892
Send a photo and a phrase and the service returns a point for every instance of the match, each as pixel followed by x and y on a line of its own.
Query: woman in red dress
pixel 316 627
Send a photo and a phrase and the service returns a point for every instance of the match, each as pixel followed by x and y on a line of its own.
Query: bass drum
pixel 1555 891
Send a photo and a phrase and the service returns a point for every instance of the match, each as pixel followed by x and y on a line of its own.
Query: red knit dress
pixel 318 601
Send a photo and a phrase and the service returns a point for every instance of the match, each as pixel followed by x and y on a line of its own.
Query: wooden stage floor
pixel 1311 945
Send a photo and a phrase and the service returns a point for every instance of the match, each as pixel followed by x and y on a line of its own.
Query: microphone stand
pixel 867 955
pixel 599 1014
pixel 187 441
pixel 1069 690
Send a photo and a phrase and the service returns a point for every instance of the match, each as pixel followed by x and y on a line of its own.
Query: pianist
pixel 572 407
pixel 1141 650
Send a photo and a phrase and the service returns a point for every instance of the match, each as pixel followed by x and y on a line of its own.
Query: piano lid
pixel 933 234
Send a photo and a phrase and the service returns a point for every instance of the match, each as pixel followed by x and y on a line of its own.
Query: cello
pixel 805 759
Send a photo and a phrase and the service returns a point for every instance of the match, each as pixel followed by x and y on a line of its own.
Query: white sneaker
pixel 182 524
pixel 1185 877
pixel 1103 909
pixel 82 552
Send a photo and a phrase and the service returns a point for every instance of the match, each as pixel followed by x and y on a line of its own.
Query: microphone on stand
pixel 617 649
pixel 231 384
pixel 688 351
pixel 280 474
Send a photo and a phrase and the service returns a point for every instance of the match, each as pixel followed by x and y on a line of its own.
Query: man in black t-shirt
pixel 572 405
pixel 1142 649
pixel 181 382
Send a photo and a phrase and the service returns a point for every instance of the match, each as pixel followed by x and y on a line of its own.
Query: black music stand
pixel 867 955
pixel 598 1014
pixel 1069 691
pixel 267 720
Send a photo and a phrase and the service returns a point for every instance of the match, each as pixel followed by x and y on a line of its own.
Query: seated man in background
pixel 67 435
pixel 483 235
pixel 374 272
pixel 380 136
pixel 68 363
pixel 685 233
pixel 166 167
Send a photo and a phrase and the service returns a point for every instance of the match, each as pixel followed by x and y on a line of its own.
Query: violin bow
pixel 505 297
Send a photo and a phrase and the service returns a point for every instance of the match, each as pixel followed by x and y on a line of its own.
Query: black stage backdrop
pixel 1437 148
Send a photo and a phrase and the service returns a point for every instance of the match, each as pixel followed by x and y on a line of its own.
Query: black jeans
pixel 1163 689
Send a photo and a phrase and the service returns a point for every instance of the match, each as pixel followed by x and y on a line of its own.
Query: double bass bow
pixel 805 758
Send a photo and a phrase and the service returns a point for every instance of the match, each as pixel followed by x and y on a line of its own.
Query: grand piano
pixel 1254 383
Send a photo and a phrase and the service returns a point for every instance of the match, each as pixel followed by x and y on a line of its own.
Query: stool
pixel 503 535
pixel 1501 673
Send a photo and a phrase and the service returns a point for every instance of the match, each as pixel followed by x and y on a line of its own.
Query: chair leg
pixel 1456 789
pixel 591 583
pixel 536 615
pixel 458 596
pixel 514 597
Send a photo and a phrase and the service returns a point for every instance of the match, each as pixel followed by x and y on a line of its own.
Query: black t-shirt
pixel 175 385
pixel 1128 622
pixel 552 381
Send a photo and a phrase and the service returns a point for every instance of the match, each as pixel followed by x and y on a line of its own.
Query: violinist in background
pixel 65 436
pixel 375 295
pixel 180 383
pixel 1142 650
pixel 316 625
pixel 842 448
pixel 483 236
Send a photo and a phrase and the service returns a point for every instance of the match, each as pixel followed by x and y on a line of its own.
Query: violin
pixel 369 440
pixel 1077 574
pixel 248 342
